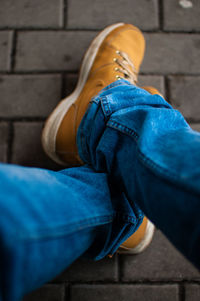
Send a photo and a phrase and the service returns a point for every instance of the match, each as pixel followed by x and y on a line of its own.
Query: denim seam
pixel 122 128
pixel 82 149
pixel 105 106
pixel 126 217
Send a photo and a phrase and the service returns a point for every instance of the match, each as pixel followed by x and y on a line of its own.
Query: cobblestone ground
pixel 41 45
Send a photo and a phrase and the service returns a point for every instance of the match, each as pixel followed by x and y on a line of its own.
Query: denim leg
pixel 49 219
pixel 151 152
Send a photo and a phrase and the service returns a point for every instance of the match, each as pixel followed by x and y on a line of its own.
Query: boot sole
pixel 52 124
pixel 143 244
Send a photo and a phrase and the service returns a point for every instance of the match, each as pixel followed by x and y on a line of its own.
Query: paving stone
pixel 184 95
pixel 29 95
pixel 87 270
pixel 51 50
pixel 178 17
pixel 161 261
pixel 124 292
pixel 152 80
pixel 37 13
pixel 5 50
pixel 4 141
pixel 98 14
pixel 70 81
pixel 192 292
pixel 172 53
pixel 46 293
pixel 27 148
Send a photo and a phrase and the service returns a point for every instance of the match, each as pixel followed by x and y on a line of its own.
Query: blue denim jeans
pixel 140 155
pixel 151 152
pixel 49 219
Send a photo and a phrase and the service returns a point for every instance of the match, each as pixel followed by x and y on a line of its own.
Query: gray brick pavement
pixel 172 53
pixel 27 148
pixel 184 95
pixel 160 262
pixel 192 292
pixel 29 95
pixel 4 133
pixel 52 50
pixel 5 50
pixel 41 45
pixel 177 17
pixel 165 53
pixel 152 80
pixel 87 270
pixel 47 293
pixel 37 13
pixel 70 81
pixel 124 292
pixel 98 14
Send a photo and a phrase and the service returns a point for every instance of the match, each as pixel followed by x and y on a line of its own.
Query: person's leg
pixel 116 52
pixel 49 219
pixel 150 150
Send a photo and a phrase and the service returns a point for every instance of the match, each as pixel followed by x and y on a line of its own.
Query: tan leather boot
pixel 115 53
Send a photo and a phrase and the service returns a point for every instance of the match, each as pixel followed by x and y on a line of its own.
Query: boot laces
pixel 126 67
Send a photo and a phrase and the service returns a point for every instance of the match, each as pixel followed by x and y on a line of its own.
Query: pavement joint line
pixel 68 292
pixel 13 51
pixel 63 85
pixel 119 267
pixel 75 72
pixel 160 14
pixel 69 29
pixel 181 292
pixel 22 119
pixel 10 142
pixel 65 6
pixel 129 283
pixel 167 89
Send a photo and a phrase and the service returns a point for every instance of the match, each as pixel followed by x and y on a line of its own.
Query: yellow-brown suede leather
pixel 137 237
pixel 126 38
